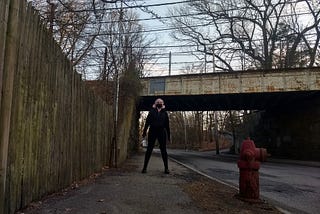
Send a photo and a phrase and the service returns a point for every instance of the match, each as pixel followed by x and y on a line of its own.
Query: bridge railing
pixel 255 81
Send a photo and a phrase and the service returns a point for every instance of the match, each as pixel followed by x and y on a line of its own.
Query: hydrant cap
pixel 247 151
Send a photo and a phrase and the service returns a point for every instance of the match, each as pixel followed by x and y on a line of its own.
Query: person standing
pixel 158 123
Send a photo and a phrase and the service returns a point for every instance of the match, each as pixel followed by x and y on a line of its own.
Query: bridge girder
pixel 219 102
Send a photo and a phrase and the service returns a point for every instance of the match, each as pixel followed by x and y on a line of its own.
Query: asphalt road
pixel 293 187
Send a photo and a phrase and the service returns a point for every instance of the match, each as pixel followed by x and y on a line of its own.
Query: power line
pixel 182 27
pixel 150 63
pixel 185 45
pixel 175 16
pixel 169 3
pixel 156 46
pixel 148 19
pixel 132 7
pixel 173 53
pixel 148 31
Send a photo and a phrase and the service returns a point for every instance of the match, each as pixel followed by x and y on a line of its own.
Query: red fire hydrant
pixel 249 164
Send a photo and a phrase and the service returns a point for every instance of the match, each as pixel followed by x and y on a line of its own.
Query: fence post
pixel 10 60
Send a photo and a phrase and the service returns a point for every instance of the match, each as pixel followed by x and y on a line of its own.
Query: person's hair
pixel 154 105
pixel 159 99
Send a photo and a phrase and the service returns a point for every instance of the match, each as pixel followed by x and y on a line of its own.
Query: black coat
pixel 158 122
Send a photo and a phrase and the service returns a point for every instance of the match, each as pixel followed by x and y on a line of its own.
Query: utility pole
pixel 117 90
pixel 205 59
pixel 243 58
pixel 216 134
pixel 185 132
pixel 213 60
pixel 170 63
pixel 104 72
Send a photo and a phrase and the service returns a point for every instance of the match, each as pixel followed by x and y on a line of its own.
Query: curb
pixel 203 174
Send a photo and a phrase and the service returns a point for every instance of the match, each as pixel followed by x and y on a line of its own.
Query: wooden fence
pixel 53 130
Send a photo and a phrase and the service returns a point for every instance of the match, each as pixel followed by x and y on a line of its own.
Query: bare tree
pixel 123 43
pixel 71 23
pixel 252 33
pixel 99 39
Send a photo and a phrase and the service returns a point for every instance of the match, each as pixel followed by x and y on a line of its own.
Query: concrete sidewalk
pixel 126 190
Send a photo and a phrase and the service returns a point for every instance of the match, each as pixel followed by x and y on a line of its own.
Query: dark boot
pixel 146 159
pixel 164 155
pixel 144 169
pixel 166 168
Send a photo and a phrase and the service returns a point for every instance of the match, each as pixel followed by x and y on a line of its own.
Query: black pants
pixel 162 139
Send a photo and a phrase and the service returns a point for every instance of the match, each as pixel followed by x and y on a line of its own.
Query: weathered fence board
pixel 10 61
pixel 4 11
pixel 16 152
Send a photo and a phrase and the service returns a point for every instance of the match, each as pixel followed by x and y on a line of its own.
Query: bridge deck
pixel 258 89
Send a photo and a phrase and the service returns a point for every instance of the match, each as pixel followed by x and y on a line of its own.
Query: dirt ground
pixel 213 197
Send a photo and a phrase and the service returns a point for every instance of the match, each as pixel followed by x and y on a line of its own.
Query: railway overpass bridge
pixel 288 124
pixel 254 89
